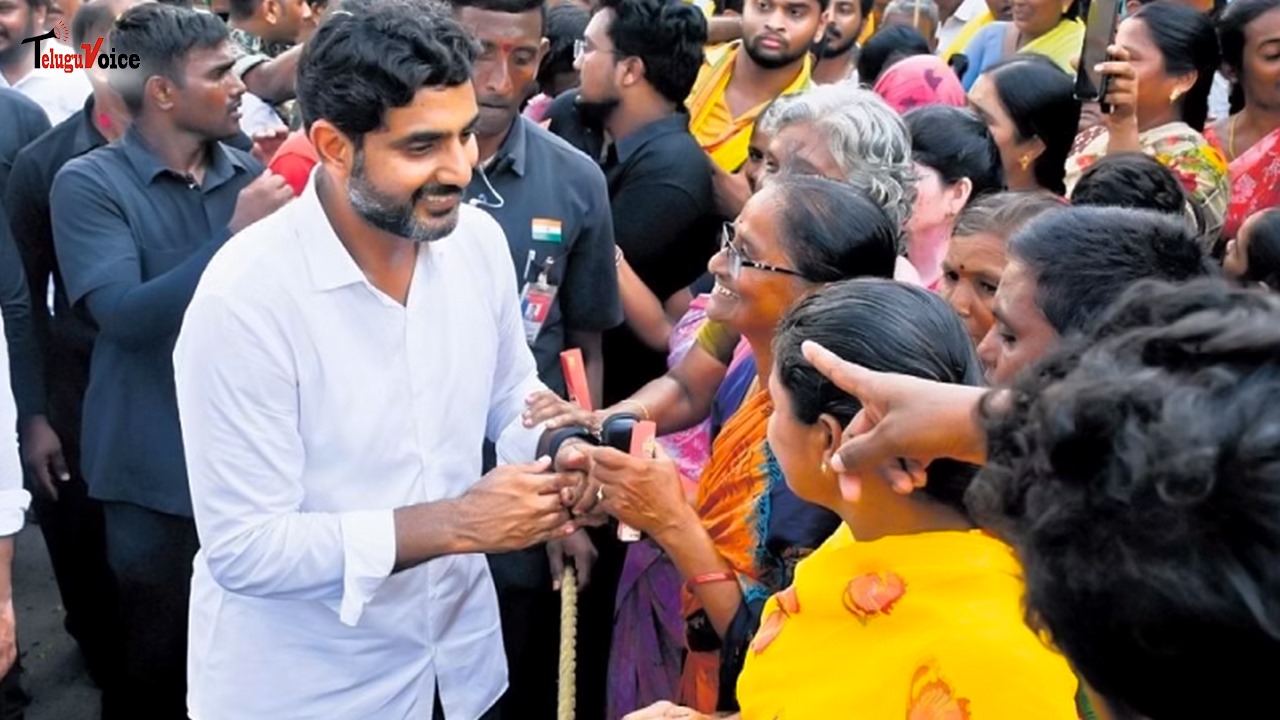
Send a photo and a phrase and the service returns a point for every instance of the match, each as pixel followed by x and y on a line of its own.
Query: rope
pixel 568 645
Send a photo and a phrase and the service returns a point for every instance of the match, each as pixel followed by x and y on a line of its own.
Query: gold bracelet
pixel 643 410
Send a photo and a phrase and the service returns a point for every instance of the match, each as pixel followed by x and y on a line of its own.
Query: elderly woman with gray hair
pixel 839 132
pixel 845 133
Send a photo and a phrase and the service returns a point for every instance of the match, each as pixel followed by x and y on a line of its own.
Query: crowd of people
pixel 966 390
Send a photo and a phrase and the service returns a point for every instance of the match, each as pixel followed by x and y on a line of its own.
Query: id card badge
pixel 535 306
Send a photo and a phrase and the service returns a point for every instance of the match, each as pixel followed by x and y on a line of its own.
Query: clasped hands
pixel 644 493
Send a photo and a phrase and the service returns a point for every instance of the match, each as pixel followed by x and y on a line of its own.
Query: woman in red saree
pixel 1249 33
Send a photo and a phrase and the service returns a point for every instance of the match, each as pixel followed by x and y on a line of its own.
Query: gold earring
pixel 1025 161
pixel 1173 96
pixel 824 468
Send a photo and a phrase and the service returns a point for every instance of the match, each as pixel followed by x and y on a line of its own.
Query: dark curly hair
pixel 370 56
pixel 1137 473
pixel 667 37
pixel 886 326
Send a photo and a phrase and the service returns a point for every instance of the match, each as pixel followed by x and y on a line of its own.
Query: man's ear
pixel 543 48
pixel 160 90
pixel 333 147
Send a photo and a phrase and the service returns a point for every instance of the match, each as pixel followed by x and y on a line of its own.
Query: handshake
pixel 518 506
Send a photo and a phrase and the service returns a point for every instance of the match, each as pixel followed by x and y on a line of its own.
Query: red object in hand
pixel 575 378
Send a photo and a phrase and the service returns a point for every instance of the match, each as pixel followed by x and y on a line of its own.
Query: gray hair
pixel 923 8
pixel 867 139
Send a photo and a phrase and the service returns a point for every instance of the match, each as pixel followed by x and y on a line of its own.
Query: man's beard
pixel 17 50
pixel 596 113
pixel 833 45
pixel 770 62
pixel 394 217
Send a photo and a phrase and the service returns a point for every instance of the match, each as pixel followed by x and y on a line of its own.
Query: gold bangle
pixel 643 410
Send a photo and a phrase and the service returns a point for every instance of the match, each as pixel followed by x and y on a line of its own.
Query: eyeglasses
pixel 582 47
pixel 737 260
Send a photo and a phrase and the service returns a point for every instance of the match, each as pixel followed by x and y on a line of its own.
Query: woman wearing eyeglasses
pixel 740 539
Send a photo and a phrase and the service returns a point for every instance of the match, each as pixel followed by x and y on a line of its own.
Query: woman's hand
pixel 643 493
pixel 664 709
pixel 546 406
pixel 1122 96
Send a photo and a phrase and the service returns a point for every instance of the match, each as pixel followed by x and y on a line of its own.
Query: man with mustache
pixel 553 206
pixel 57 92
pixel 134 225
pixel 739 79
pixel 837 51
pixel 339 367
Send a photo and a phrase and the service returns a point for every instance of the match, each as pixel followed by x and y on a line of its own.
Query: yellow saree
pixel 922 627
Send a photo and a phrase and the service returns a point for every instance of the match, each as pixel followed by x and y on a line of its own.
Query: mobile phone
pixel 615 431
pixel 1102 19
pixel 626 432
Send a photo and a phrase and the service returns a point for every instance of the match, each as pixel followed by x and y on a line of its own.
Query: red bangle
pixel 714 577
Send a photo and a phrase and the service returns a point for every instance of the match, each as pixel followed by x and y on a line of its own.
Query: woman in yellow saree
pixel 920 618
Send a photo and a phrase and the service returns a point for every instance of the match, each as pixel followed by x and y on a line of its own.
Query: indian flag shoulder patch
pixel 546 230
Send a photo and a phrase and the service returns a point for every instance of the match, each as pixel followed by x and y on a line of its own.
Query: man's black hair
pixel 887 46
pixel 510 7
pixel 1083 258
pixel 1132 180
pixel 565 26
pixel 242 9
pixel 162 36
pixel 369 57
pixel 93 20
pixel 667 37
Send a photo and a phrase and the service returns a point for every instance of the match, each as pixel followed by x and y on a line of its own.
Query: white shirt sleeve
pixel 13 498
pixel 238 403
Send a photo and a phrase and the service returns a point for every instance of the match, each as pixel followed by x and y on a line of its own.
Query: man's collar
pixel 627 146
pixel 222 164
pixel 328 260
pixel 511 153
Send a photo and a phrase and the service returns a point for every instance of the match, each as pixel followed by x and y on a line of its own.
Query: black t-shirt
pixel 664 220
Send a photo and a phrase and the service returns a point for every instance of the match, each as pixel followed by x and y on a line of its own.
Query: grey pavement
pixel 55 675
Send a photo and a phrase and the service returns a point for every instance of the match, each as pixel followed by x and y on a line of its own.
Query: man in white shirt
pixel 954 15
pixel 58 92
pixel 338 366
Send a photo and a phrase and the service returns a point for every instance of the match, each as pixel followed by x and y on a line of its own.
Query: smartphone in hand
pixel 1102 20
